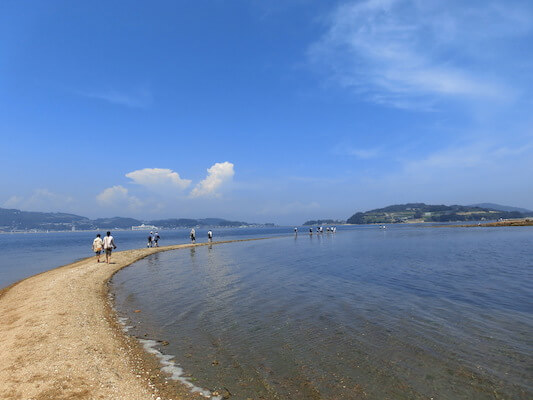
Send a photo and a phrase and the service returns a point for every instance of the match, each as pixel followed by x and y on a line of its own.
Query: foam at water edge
pixel 176 372
pixel 122 321
pixel 169 366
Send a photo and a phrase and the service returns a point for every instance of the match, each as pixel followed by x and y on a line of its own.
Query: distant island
pixel 12 220
pixel 420 212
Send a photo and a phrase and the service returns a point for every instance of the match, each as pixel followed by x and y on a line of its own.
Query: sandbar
pixel 60 339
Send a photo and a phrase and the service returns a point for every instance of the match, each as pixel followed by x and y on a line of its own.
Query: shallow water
pixel 406 312
pixel 26 254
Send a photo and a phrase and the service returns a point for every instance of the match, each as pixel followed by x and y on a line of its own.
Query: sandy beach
pixel 60 339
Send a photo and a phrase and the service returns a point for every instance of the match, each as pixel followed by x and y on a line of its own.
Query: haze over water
pixel 26 254
pixel 406 312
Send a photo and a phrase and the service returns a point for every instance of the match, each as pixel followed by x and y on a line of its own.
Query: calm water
pixel 26 254
pixel 403 313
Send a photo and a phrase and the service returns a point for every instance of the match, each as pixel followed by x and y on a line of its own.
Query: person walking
pixel 97 246
pixel 209 236
pixel 156 239
pixel 109 246
pixel 193 235
pixel 149 244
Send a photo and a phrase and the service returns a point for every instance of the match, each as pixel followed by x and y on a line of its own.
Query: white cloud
pixel 461 158
pixel 13 202
pixel 137 98
pixel 118 196
pixel 217 176
pixel 408 53
pixel 361 153
pixel 158 178
pixel 40 200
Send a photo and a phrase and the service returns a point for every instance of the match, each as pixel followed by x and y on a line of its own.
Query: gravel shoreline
pixel 60 338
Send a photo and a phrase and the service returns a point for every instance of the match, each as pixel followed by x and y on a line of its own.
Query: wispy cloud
pixel 218 175
pixel 137 98
pixel 409 53
pixel 469 156
pixel 357 152
pixel 462 173
pixel 41 200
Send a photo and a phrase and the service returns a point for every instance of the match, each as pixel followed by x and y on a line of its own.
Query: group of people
pixel 193 236
pixel 153 239
pixel 107 245
pixel 320 230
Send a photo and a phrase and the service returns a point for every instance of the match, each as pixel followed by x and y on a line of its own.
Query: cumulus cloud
pixel 40 200
pixel 118 196
pixel 13 202
pixel 158 178
pixel 217 176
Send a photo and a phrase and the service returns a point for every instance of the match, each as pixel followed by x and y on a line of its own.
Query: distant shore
pixel 60 337
pixel 514 222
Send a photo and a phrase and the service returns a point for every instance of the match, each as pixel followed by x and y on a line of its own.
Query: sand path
pixel 59 338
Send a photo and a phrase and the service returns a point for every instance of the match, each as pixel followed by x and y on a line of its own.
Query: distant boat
pixel 144 227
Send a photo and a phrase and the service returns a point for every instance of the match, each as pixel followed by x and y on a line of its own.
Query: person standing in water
pixel 97 246
pixel 109 246
pixel 209 236
pixel 193 235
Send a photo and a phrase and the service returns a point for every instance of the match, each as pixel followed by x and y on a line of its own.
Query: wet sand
pixel 60 339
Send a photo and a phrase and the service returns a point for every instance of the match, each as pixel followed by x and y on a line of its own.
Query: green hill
pixel 420 212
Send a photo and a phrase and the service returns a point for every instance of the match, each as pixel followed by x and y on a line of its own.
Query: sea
pixel 27 254
pixel 406 312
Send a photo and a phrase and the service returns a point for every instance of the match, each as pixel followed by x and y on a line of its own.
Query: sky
pixel 264 111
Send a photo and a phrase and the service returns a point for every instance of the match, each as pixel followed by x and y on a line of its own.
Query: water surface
pixel 406 312
pixel 27 254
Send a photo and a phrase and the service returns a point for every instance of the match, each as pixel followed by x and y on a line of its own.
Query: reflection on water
pixel 402 313
pixel 26 254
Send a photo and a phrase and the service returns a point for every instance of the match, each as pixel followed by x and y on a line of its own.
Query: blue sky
pixel 276 111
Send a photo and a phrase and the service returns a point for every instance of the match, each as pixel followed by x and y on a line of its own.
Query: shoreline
pixel 60 337
pixel 510 222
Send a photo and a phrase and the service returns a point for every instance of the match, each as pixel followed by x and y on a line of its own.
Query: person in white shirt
pixel 210 236
pixel 109 245
pixel 97 247
pixel 193 235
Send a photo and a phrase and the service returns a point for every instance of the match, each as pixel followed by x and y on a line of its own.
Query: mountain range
pixel 17 220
